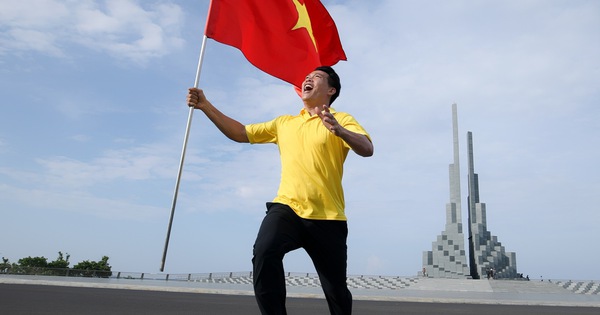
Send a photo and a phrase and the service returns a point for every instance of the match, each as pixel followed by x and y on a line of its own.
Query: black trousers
pixel 282 231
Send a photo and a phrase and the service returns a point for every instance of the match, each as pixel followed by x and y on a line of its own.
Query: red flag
pixel 284 38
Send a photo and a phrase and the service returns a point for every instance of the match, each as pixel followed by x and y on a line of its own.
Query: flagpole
pixel 185 141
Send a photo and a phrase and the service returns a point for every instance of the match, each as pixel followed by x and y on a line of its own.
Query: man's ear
pixel 331 91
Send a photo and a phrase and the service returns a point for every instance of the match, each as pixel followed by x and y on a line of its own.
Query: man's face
pixel 316 87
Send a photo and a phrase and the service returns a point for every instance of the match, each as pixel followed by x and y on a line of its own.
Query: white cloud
pixel 122 28
pixel 28 39
pixel 126 165
pixel 36 14
pixel 80 138
pixel 79 202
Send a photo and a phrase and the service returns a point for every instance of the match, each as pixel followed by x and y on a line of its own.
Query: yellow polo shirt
pixel 312 160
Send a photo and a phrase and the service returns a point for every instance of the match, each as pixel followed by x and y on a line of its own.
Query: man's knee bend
pixel 262 255
pixel 260 252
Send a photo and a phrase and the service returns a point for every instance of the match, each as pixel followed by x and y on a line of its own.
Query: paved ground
pixel 60 295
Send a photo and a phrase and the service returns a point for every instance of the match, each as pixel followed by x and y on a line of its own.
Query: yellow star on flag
pixel 304 21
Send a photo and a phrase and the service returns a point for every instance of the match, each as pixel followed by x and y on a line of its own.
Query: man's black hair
pixel 333 80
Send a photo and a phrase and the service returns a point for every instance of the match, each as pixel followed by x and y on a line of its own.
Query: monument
pixel 487 256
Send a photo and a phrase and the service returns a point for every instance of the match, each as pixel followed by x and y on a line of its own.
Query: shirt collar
pixel 304 113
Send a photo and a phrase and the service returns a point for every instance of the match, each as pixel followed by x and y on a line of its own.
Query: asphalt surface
pixel 50 300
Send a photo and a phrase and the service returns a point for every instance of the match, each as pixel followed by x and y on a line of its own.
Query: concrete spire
pixel 485 252
pixel 447 258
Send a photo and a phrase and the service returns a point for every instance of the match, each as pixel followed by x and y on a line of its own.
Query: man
pixel 308 210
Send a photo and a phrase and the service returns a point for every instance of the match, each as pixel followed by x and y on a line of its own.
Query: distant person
pixel 308 211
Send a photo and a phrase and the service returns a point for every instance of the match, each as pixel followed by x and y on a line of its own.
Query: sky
pixel 93 116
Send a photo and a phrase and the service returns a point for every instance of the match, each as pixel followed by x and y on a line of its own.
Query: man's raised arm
pixel 230 127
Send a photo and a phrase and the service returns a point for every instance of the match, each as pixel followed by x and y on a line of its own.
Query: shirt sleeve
pixel 265 132
pixel 347 121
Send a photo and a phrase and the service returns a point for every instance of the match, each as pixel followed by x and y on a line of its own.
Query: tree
pixel 88 268
pixel 34 262
pixel 60 261
pixel 5 265
pixel 58 267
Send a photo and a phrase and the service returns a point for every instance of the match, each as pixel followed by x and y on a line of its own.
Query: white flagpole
pixel 185 141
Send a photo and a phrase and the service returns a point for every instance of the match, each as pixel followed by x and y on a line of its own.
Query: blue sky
pixel 93 116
